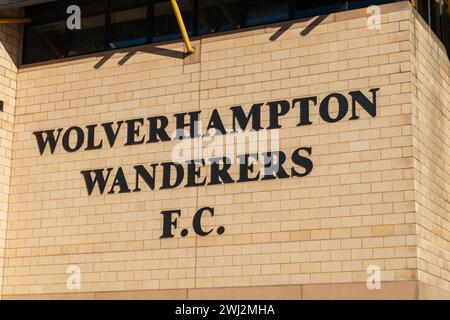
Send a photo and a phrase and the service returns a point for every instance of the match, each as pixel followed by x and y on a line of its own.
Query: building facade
pixel 357 103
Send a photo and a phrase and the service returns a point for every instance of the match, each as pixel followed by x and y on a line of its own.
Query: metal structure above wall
pixel 14 20
pixel 9 4
pixel 114 24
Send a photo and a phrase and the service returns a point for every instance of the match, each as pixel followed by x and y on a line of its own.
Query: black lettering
pixel 303 162
pixel 168 222
pixel 245 168
pixel 193 172
pixel 91 138
pixel 110 133
pixel 304 109
pixel 325 107
pixel 275 112
pixel 99 179
pixel 142 172
pixel 167 169
pixel 133 131
pixel 120 181
pixel 197 222
pixel 215 122
pixel 49 139
pixel 79 139
pixel 192 124
pixel 274 169
pixel 243 120
pixel 363 101
pixel 220 175
pixel 158 132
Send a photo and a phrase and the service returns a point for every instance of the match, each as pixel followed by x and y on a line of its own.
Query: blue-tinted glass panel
pixel 44 42
pixel 446 24
pixel 305 9
pixel 261 12
pixel 165 26
pixel 91 37
pixel 355 4
pixel 128 23
pixel 108 24
pixel 219 15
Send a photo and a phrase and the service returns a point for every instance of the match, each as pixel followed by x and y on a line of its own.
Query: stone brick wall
pixel 305 237
pixel 431 131
pixel 10 44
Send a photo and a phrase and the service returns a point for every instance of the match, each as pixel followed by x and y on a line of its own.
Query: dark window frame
pixel 46 18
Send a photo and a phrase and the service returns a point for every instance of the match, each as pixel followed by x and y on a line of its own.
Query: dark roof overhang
pixel 8 4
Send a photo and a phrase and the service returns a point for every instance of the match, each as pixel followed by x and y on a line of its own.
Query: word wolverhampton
pixel 274 165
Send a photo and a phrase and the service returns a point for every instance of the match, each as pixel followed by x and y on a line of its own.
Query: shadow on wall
pixel 130 52
pixel 318 20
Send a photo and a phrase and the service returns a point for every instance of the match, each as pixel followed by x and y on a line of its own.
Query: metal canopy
pixel 9 4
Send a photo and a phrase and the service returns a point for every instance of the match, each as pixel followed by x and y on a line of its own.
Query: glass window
pixel 91 37
pixel 165 26
pixel 435 8
pixel 129 25
pixel 114 24
pixel 219 15
pixel 263 11
pixel 44 38
pixel 305 9
pixel 44 42
pixel 422 8
pixel 446 25
pixel 355 4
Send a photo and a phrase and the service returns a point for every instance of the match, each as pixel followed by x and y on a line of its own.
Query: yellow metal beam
pixel 14 20
pixel 182 27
